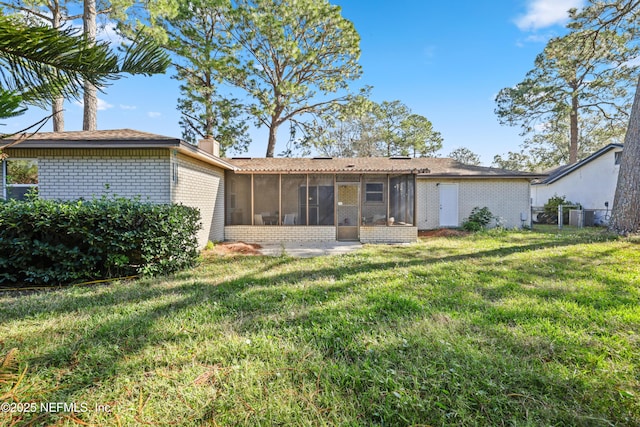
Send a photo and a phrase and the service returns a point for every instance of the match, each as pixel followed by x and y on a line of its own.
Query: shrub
pixel 44 242
pixel 478 219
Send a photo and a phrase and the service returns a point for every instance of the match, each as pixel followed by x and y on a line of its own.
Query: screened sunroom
pixel 344 203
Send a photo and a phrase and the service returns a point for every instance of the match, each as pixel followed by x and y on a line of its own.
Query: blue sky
pixel 444 60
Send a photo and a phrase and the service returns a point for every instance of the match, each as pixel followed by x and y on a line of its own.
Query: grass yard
pixel 518 329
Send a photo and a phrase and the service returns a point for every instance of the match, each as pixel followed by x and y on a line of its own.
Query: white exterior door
pixel 448 205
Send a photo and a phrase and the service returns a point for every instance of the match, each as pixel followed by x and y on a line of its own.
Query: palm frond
pixel 42 63
pixel 144 56
pixel 10 104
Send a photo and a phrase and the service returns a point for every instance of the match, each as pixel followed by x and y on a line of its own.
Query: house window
pixel 374 192
pixel 19 177
pixel 617 157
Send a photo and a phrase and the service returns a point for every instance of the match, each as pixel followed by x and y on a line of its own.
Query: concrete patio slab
pixel 309 249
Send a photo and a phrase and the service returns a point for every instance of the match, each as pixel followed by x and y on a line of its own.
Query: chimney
pixel 210 146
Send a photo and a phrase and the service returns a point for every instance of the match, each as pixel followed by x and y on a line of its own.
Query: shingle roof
pixel 129 138
pixel 426 166
pixel 98 136
pixel 116 138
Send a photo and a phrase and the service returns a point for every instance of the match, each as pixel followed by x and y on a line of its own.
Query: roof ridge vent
pixel 322 158
pixel 241 158
pixel 400 158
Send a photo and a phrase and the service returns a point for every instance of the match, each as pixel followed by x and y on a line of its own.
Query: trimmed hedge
pixel 45 242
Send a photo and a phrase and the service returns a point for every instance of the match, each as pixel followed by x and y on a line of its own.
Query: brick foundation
pixel 396 234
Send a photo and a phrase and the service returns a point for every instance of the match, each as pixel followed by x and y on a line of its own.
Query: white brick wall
pixel 397 234
pixel 75 173
pixel 266 233
pixel 274 233
pixel 201 186
pixel 506 198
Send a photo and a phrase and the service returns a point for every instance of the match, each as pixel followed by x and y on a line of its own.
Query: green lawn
pixel 518 329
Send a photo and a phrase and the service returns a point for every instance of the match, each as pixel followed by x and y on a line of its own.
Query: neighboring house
pixel 590 182
pixel 268 199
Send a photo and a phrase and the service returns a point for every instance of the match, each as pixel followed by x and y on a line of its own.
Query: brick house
pixel 267 199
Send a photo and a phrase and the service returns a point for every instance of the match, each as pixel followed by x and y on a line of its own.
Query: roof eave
pixel 177 144
pixel 454 175
pixel 241 171
pixel 66 144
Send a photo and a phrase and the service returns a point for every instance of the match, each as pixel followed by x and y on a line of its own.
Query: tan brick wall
pixel 252 234
pixel 74 173
pixel 201 186
pixel 506 198
pixel 396 234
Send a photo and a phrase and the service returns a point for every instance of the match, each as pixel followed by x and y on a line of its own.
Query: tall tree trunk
pixel 210 114
pixel 573 138
pixel 90 121
pixel 273 132
pixel 57 110
pixel 625 217
pixel 57 106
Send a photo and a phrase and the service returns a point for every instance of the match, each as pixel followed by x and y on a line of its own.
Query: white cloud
pixel 127 107
pixel 545 13
pixel 102 104
pixel 154 114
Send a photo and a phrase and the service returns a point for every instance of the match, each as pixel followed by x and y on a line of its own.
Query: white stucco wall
pixel 506 198
pixel 590 185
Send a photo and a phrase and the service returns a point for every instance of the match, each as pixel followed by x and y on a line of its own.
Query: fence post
pixel 560 215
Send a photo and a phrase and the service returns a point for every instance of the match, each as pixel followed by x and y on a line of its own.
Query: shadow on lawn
pixel 334 311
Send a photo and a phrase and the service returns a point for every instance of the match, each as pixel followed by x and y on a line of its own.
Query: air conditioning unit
pixel 589 218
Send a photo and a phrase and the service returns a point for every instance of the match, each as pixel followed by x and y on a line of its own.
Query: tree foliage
pixel 542 151
pixel 346 132
pixel 514 161
pixel 363 128
pixel 466 156
pixel 576 79
pixel 419 139
pixel 196 35
pixel 288 60
pixel 292 57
